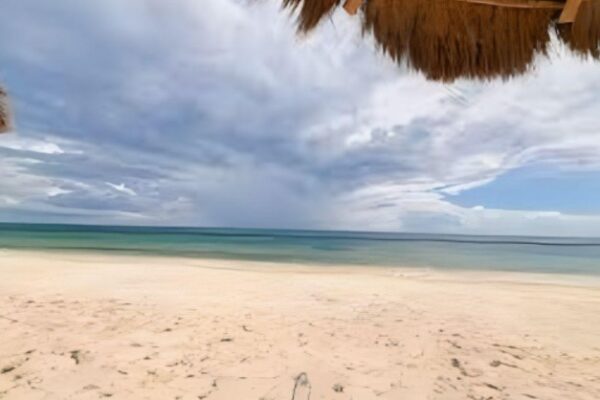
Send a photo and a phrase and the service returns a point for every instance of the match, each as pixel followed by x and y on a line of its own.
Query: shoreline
pixel 96 326
pixel 444 252
pixel 415 272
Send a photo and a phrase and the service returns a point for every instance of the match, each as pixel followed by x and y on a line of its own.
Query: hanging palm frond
pixel 580 27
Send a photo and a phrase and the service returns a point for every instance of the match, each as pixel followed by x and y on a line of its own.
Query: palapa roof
pixel 450 39
pixel 5 114
pixel 473 39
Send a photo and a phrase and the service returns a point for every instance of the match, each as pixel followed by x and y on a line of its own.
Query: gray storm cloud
pixel 153 112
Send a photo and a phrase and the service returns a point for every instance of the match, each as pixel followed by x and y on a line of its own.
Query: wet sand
pixel 89 326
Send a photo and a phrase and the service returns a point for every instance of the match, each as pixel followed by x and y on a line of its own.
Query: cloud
pixel 410 210
pixel 30 145
pixel 122 188
pixel 216 113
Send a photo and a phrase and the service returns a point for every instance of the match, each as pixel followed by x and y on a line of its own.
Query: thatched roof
pixel 5 114
pixel 475 39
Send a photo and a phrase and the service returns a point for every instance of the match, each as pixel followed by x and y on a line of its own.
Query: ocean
pixel 499 253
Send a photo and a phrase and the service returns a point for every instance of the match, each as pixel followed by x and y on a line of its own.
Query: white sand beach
pixel 89 326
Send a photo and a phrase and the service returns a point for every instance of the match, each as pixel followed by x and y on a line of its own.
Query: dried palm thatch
pixel 475 39
pixel 450 39
pixel 5 114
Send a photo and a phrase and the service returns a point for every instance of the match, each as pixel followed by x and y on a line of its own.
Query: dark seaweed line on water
pixel 358 239
pixel 199 232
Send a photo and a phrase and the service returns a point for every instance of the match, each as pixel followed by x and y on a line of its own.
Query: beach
pixel 78 325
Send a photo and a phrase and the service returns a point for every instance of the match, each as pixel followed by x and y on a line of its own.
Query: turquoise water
pixel 502 253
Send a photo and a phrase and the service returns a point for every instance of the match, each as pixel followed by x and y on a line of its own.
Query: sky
pixel 215 113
